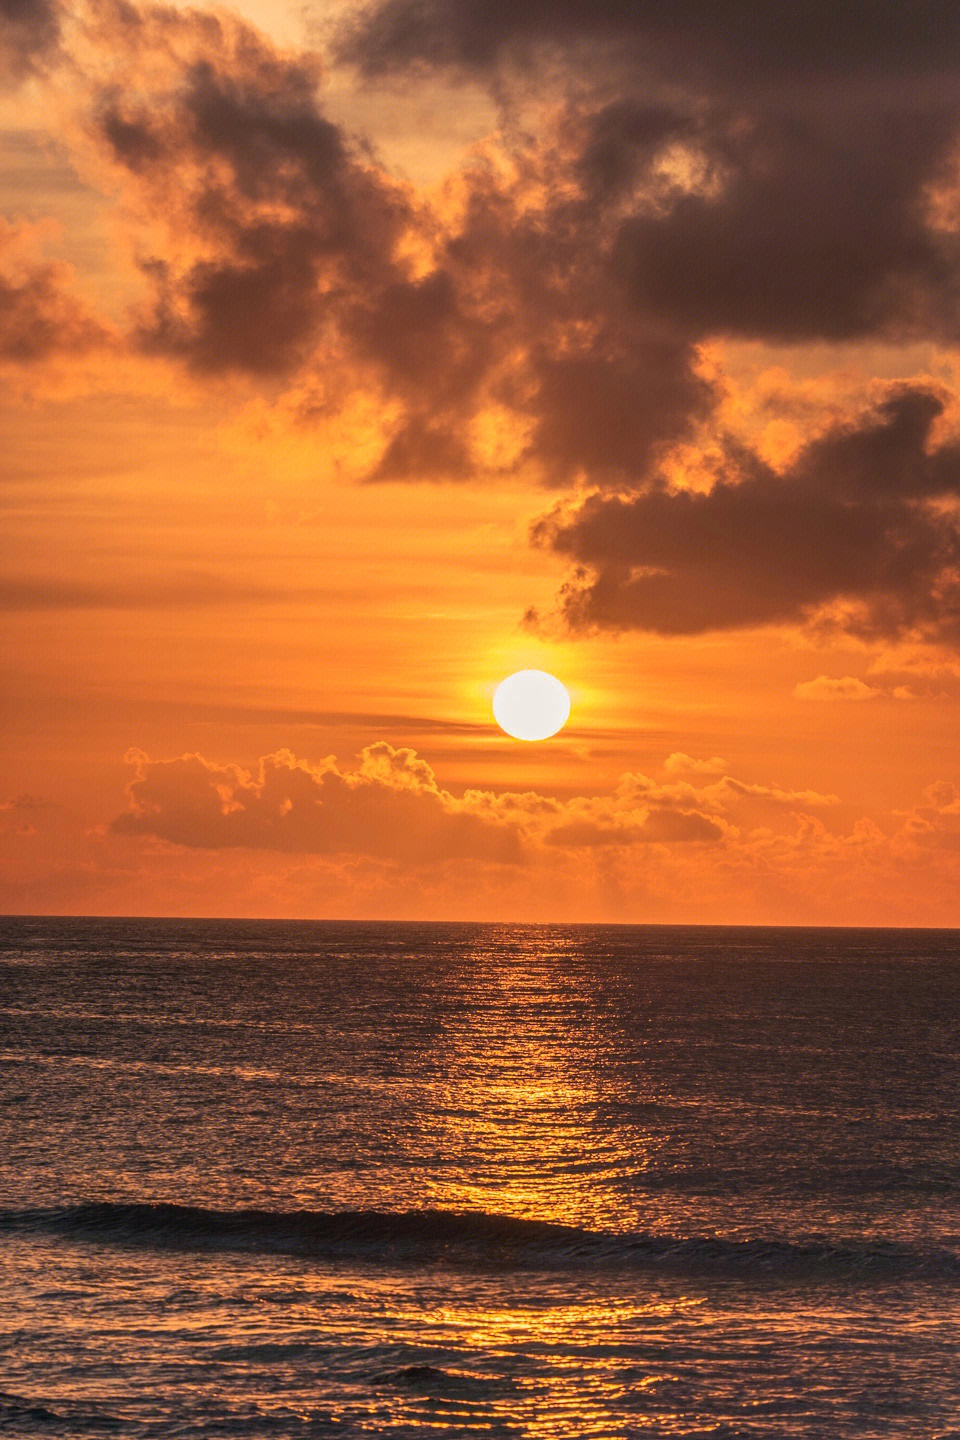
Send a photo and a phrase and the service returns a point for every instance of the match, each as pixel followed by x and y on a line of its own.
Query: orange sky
pixel 350 364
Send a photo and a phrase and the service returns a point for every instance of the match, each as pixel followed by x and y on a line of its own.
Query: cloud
pixel 680 764
pixel 935 823
pixel 561 288
pixel 869 36
pixel 656 826
pixel 860 532
pixel 848 687
pixel 774 248
pixel 40 317
pixel 265 221
pixel 693 184
pixel 910 671
pixel 773 794
pixel 29 33
pixel 722 797
pixel 275 248
pixel 279 247
pixel 390 807
pixel 698 172
pixel 714 172
pixel 382 838
pixel 173 589
pixel 27 802
pixel 761 174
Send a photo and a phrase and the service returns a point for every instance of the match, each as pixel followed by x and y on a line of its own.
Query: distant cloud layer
pixel 288 836
pixel 390 806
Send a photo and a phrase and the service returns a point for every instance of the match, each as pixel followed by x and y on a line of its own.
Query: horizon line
pixel 531 924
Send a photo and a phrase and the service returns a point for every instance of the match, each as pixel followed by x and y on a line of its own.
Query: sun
pixel 531 705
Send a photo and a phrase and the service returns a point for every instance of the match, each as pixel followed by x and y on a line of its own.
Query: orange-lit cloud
pixel 272 246
pixel 290 837
pixel 391 806
pixel 847 687
pixel 935 823
pixel 40 317
pixel 680 764
pixel 566 281
pixel 265 224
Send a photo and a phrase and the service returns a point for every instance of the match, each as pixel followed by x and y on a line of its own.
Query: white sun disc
pixel 531 705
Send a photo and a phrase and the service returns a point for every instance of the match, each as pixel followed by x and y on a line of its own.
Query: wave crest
pixel 474 1238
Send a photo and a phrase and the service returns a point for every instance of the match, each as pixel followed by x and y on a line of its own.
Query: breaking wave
pixel 477 1239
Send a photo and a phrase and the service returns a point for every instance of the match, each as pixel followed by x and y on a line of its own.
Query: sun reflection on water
pixel 525 1067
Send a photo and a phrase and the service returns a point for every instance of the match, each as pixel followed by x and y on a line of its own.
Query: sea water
pixel 270 1179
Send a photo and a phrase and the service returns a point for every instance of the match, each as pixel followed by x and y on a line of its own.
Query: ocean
pixel 283 1179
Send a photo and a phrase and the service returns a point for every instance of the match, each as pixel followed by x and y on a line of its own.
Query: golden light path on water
pixel 523 1078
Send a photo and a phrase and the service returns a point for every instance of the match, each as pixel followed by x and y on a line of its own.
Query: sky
pixel 353 357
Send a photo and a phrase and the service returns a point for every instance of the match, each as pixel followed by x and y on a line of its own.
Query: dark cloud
pixel 601 414
pixel 424 449
pixel 29 32
pixel 620 142
pixel 289 250
pixel 864 525
pixel 889 37
pixel 275 221
pixel 816 226
pixel 544 331
pixel 799 146
pixel 731 171
pixel 408 323
pixel 432 348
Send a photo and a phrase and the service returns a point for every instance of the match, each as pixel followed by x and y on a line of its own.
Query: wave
pixel 475 1238
pixel 26 1415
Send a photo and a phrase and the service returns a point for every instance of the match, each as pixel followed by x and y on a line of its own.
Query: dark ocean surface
pixel 265 1179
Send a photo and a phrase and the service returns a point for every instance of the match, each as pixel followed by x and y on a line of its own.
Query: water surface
pixel 285 1179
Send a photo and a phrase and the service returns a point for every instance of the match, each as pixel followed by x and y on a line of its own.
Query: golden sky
pixel 354 357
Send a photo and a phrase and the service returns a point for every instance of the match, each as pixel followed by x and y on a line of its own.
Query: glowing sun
pixel 531 705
